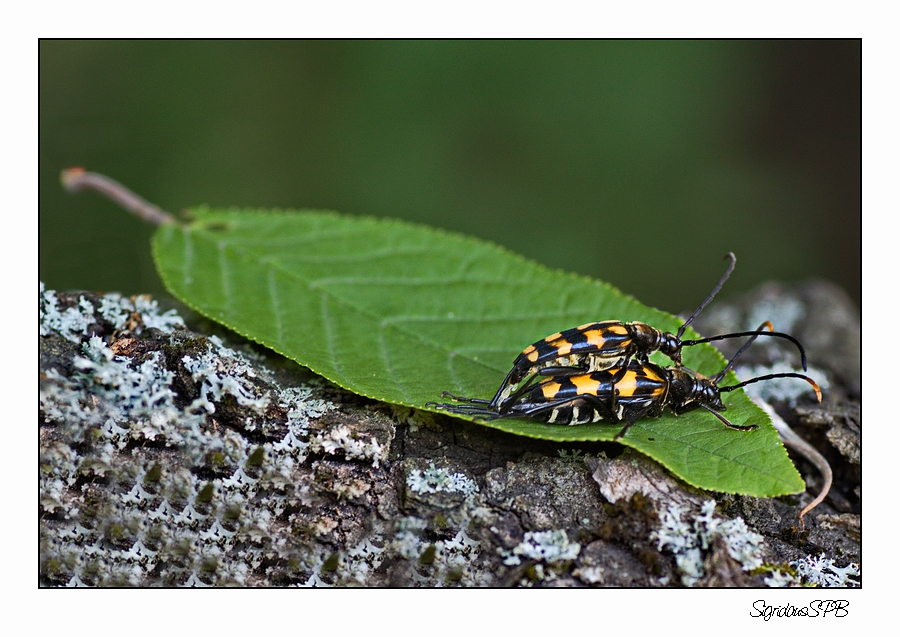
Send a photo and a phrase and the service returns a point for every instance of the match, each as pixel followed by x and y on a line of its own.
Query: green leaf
pixel 400 313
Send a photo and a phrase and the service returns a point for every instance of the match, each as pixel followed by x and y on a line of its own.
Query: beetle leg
pixel 606 413
pixel 510 401
pixel 505 386
pixel 727 423
pixel 633 416
pixel 537 410
pixel 625 429
pixel 466 410
pixel 463 399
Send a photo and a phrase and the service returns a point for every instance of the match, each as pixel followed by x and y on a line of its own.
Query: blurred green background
pixel 639 163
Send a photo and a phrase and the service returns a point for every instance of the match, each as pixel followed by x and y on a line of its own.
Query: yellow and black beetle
pixel 613 395
pixel 606 344
pixel 570 396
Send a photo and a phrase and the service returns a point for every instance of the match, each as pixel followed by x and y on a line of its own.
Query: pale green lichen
pixel 143 391
pixel 352 445
pixel 73 323
pixel 434 480
pixel 205 532
pixel 114 310
pixel 151 318
pixel 433 563
pixel 822 571
pixel 301 408
pixel 124 401
pixel 689 536
pixel 546 546
pixel 220 372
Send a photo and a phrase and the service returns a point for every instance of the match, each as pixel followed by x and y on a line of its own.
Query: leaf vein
pixel 225 278
pixel 276 305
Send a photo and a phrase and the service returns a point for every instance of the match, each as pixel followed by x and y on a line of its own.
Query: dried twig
pixel 77 179
pixel 790 438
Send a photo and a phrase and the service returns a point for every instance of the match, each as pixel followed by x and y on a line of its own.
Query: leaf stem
pixel 77 179
pixel 794 441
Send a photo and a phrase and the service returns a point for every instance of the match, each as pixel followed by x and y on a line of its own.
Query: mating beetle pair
pixel 628 393
pixel 601 371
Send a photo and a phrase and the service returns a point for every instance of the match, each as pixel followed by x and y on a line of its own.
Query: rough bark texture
pixel 170 459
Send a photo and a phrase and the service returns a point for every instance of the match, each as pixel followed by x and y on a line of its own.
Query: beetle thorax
pixel 688 389
pixel 670 345
pixel 646 338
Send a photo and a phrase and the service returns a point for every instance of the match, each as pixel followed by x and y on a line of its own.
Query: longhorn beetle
pixel 628 393
pixel 606 344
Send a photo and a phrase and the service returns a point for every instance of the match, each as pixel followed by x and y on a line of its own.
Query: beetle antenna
pixel 730 364
pixel 754 333
pixel 715 291
pixel 782 375
pixel 725 421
